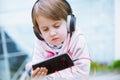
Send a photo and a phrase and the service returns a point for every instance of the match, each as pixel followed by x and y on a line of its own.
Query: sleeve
pixel 79 50
pixel 81 53
pixel 37 57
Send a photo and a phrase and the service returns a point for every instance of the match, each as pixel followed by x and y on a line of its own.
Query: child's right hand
pixel 39 72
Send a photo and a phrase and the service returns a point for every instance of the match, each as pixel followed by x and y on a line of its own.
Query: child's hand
pixel 39 72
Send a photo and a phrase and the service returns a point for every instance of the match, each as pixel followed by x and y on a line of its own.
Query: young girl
pixel 56 35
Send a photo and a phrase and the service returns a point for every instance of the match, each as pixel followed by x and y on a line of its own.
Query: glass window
pixel 15 63
pixel 1 49
pixel 3 70
pixel 12 47
pixel 7 36
pixel 0 36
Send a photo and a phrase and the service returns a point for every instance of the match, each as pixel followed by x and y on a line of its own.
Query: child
pixel 54 26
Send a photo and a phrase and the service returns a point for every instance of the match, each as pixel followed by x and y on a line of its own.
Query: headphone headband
pixel 69 7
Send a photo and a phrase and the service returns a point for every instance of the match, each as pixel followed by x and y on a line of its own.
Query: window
pixel 1 49
pixel 12 47
pixel 3 70
pixel 15 63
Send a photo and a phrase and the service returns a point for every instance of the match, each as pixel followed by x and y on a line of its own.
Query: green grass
pixel 115 66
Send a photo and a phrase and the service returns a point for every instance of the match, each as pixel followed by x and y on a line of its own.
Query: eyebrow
pixel 56 22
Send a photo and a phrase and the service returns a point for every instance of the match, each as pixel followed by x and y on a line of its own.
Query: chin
pixel 56 43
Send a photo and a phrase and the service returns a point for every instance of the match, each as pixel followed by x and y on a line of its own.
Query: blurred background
pixel 98 19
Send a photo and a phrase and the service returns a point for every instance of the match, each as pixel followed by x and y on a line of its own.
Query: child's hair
pixel 52 9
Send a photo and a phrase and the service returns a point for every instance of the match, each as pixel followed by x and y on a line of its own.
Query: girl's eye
pixel 45 29
pixel 57 26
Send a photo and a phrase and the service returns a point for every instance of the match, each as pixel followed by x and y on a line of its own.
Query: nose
pixel 52 32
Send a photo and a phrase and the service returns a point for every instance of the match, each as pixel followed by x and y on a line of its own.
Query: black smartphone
pixel 55 63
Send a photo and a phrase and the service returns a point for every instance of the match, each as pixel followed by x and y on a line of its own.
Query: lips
pixel 54 39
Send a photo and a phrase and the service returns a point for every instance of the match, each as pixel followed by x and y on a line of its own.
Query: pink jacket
pixel 76 47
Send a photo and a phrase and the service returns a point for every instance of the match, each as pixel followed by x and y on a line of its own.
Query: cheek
pixel 64 34
pixel 45 37
pixel 65 30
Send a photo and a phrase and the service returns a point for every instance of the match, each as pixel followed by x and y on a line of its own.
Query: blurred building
pixel 16 40
pixel 12 57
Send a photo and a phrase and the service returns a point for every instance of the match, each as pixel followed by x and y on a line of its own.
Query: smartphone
pixel 55 63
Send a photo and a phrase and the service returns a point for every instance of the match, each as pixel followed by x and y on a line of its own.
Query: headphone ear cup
pixel 71 23
pixel 37 34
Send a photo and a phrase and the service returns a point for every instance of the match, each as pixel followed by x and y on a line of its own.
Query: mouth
pixel 54 39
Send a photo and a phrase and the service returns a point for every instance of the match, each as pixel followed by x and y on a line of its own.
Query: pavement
pixel 97 76
pixel 105 76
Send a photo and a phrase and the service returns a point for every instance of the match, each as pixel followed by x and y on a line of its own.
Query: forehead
pixel 43 21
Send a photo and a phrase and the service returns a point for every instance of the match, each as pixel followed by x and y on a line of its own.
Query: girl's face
pixel 53 32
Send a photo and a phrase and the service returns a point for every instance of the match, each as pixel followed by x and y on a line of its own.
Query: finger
pixel 34 73
pixel 40 71
pixel 44 71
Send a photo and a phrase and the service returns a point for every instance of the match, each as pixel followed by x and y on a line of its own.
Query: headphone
pixel 71 21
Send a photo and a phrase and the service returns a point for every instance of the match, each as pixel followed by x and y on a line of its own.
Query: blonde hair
pixel 52 9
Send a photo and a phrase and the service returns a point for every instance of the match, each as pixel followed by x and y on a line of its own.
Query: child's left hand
pixel 39 72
